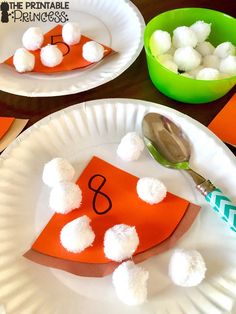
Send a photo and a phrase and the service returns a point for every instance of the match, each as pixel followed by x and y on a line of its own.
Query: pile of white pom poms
pixel 191 55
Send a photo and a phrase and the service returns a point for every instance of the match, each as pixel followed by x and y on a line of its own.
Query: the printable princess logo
pixel 31 11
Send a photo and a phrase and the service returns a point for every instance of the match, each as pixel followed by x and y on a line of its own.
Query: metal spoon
pixel 169 146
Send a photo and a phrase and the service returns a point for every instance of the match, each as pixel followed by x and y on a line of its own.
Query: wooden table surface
pixel 133 83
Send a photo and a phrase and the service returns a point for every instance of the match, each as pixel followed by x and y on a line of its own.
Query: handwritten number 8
pixel 60 42
pixel 98 191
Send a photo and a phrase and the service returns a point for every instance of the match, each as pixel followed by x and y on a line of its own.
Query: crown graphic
pixel 4 7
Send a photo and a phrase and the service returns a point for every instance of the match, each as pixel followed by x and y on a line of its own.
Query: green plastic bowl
pixel 179 87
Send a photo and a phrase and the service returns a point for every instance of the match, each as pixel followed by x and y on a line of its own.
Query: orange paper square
pixel 223 125
pixel 154 223
pixel 73 58
pixel 5 124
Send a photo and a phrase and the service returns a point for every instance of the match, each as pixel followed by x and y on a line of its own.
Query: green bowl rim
pixel 148 52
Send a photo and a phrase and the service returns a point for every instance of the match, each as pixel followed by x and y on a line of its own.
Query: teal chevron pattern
pixel 223 206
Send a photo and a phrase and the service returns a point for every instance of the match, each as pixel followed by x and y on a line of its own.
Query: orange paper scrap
pixel 13 128
pixel 223 125
pixel 5 124
pixel 73 58
pixel 109 198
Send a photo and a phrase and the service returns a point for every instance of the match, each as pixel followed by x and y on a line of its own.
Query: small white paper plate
pixel 117 24
pixel 95 128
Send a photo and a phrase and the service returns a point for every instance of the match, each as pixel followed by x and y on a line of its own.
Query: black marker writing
pixel 54 42
pixel 98 192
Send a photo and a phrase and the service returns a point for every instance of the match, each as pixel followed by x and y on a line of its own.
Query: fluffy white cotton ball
pixel 77 235
pixel 211 61
pixel 128 154
pixel 71 33
pixel 64 197
pixel 160 42
pixel 208 74
pixel 187 268
pixel 195 71
pixel 170 65
pixel 51 56
pixel 57 170
pixel 23 60
pixel 205 48
pixel 224 75
pixel 228 65
pixel 151 190
pixel 130 147
pixel 164 57
pixel 186 74
pixel 183 36
pixel 92 51
pixel 167 61
pixel 130 283
pixel 224 50
pixel 120 242
pixel 171 51
pixel 33 38
pixel 187 58
pixel 201 29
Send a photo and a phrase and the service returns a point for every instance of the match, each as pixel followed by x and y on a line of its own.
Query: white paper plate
pixel 116 23
pixel 78 133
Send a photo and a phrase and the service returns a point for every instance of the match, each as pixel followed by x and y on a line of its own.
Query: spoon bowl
pixel 169 146
pixel 165 141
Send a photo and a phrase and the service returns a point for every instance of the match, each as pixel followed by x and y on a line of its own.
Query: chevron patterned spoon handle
pixel 223 206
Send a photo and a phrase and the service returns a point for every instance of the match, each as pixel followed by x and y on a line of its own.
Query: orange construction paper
pixel 154 223
pixel 16 127
pixel 5 124
pixel 72 54
pixel 223 125
pixel 101 270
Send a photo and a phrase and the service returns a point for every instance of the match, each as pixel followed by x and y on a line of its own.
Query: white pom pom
pixel 77 235
pixel 151 190
pixel 171 51
pixel 23 60
pixel 64 197
pixel 187 268
pixel 92 51
pixel 170 65
pixel 201 29
pixel 224 50
pixel 160 42
pixel 120 242
pixel 57 170
pixel 51 56
pixel 208 74
pixel 186 74
pixel 130 147
pixel 71 33
pixel 183 36
pixel 228 65
pixel 167 61
pixel 164 57
pixel 187 58
pixel 130 282
pixel 205 48
pixel 211 61
pixel 33 38
pixel 224 75
pixel 195 71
